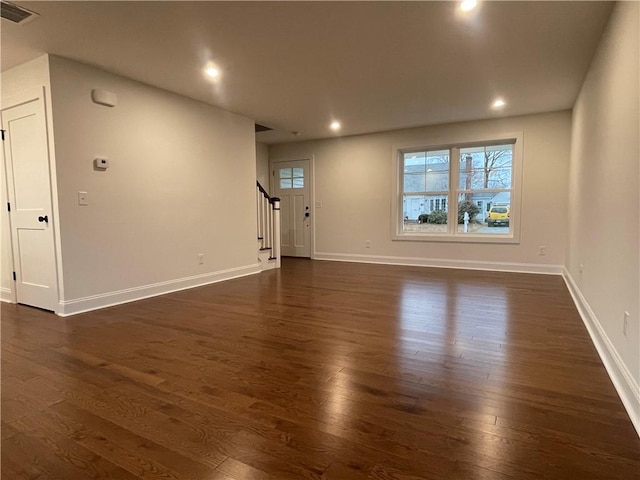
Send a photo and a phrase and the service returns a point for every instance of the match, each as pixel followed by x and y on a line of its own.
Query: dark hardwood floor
pixel 319 371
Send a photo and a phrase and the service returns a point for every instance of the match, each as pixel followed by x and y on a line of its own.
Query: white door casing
pixel 28 177
pixel 292 184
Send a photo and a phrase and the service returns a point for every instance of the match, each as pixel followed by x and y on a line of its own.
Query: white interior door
pixel 26 158
pixel 292 186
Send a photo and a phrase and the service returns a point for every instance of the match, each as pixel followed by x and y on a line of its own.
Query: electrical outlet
pixel 542 250
pixel 625 323
pixel 200 258
pixel 368 244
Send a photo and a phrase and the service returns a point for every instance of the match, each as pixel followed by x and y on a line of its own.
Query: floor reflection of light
pixel 453 318
pixel 451 336
pixel 336 409
pixel 422 306
pixel 423 319
pixel 483 312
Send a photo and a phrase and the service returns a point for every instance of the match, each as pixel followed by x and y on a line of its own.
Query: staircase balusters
pixel 268 212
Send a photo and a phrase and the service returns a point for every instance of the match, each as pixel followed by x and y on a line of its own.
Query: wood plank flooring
pixel 318 371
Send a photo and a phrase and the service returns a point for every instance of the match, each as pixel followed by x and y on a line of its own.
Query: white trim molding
pixel 312 191
pixel 6 295
pixel 453 145
pixel 443 263
pixel 95 302
pixel 623 381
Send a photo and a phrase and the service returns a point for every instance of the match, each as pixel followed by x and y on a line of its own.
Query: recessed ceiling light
pixel 335 126
pixel 467 5
pixel 498 103
pixel 212 72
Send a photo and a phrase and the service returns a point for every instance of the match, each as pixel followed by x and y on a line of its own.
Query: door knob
pixel 44 219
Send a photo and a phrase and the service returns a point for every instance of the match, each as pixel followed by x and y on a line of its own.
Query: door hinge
pixel 3 135
pixel 14 276
pixel 8 206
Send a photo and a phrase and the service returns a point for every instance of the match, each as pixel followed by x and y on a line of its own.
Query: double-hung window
pixel 467 191
pixel 425 180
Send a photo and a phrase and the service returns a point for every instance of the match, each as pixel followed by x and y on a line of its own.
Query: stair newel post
pixel 265 240
pixel 268 228
pixel 276 230
pixel 267 221
pixel 259 213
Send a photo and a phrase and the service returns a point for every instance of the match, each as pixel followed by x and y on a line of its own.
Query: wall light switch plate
pixel 83 198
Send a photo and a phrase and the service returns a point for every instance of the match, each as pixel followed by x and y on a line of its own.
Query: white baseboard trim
pixel 95 302
pixel 443 263
pixel 6 295
pixel 626 386
pixel 265 260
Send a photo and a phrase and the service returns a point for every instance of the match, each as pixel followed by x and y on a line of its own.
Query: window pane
pixel 415 182
pixel 437 173
pixel 298 182
pixel 425 213
pixel 285 183
pixel 486 167
pixel 488 213
pixel 426 171
pixel 298 172
pixel 414 162
pixel 437 181
pixel 285 173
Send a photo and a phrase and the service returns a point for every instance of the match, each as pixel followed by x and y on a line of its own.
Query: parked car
pixel 498 215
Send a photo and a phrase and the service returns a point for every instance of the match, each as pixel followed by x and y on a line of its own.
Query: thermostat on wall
pixel 101 163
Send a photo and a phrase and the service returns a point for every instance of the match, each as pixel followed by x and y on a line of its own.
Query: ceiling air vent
pixel 262 128
pixel 16 14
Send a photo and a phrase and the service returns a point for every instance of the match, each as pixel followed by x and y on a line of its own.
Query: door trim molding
pixel 31 94
pixel 312 192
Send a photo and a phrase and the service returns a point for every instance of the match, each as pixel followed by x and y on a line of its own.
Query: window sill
pixel 469 238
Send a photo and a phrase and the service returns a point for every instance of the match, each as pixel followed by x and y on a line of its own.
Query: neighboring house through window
pixel 466 191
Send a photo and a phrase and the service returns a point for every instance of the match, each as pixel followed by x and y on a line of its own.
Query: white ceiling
pixel 295 66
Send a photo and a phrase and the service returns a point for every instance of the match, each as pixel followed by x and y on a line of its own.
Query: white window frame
pixel 454 145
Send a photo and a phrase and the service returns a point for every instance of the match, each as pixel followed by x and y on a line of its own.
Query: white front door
pixel 26 158
pixel 292 186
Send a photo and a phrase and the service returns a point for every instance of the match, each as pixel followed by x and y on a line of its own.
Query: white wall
pixel 181 182
pixel 604 200
pixel 22 78
pixel 353 181
pixel 262 164
pixel 16 83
